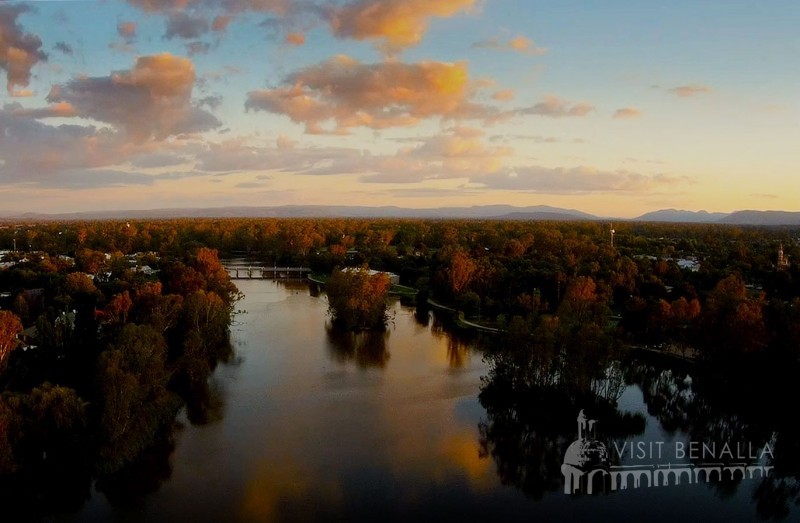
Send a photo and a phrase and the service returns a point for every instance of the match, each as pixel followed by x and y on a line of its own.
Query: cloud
pixel 211 101
pixel 519 44
pixel 378 96
pixel 398 23
pixel 457 153
pixel 690 90
pixel 285 143
pixel 156 159
pixel 161 5
pixel 186 25
pixel 574 180
pixel 32 151
pixel 430 192
pixel 152 100
pixel 555 107
pixel 766 196
pixel 251 185
pixel 197 47
pixel 278 7
pixel 533 138
pixel 626 113
pixel 127 30
pixel 295 39
pixel 19 51
pixel 505 95
pixel 22 93
pixel 81 156
pixel 63 47
pixel 58 110
pixel 221 23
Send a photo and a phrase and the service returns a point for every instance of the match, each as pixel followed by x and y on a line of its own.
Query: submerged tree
pixel 357 299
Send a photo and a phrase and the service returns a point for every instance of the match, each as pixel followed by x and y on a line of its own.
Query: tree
pixel 583 304
pixel 733 321
pixel 460 271
pixel 133 381
pixel 10 326
pixel 119 307
pixel 357 300
pixel 79 283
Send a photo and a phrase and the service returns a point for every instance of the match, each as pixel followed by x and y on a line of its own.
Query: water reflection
pixel 531 400
pixel 430 431
pixel 367 349
pixel 531 409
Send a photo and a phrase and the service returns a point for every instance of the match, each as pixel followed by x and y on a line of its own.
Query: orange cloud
pixel 21 93
pixel 127 30
pixel 506 95
pixel 151 100
pixel 352 94
pixel 399 23
pixel 690 90
pixel 19 51
pixel 61 109
pixel 627 112
pixel 295 39
pixel 221 23
pixel 519 44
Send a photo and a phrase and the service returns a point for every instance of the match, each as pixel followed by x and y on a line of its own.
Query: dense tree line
pixel 104 363
pixel 737 301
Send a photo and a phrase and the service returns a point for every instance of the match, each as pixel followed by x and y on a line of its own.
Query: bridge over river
pixel 242 272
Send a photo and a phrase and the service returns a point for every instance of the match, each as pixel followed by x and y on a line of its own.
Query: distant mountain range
pixel 676 216
pixel 494 212
pixel 735 218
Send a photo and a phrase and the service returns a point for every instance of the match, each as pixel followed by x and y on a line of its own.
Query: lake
pixel 310 424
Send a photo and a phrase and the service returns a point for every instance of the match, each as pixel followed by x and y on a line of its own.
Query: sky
pixel 615 108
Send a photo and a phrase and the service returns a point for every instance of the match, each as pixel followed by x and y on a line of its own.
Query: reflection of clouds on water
pixel 283 491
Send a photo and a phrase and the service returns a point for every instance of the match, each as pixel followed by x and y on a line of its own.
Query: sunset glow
pixel 615 109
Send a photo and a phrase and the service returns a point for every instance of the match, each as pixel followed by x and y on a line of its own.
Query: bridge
pixel 266 273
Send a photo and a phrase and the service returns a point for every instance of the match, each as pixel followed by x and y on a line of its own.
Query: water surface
pixel 311 424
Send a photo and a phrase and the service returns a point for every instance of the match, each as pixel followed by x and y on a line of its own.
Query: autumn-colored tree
pixel 358 300
pixel 733 321
pixel 460 271
pixel 206 263
pixel 119 307
pixel 10 326
pixel 90 261
pixel 583 304
pixel 153 308
pixel 79 283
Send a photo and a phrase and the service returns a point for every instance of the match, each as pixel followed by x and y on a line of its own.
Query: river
pixel 314 425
